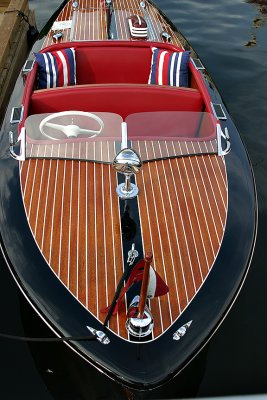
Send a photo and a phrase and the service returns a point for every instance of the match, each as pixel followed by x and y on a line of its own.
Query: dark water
pixel 231 39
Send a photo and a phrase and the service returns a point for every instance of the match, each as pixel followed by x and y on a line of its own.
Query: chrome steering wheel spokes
pixel 72 129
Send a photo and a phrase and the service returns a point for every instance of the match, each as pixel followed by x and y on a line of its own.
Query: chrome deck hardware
pixel 218 111
pixel 58 36
pixel 223 136
pixel 197 64
pixel 127 162
pixel 16 115
pixel 139 327
pixel 132 255
pixel 13 142
pixel 182 331
pixel 75 5
pixel 27 67
pixel 165 37
pixel 101 336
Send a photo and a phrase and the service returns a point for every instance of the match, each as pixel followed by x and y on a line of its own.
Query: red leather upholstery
pixel 113 64
pixel 120 99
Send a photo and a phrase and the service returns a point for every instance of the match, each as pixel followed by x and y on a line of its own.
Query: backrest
pixel 107 64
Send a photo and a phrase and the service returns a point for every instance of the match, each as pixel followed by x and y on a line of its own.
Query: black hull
pixel 138 366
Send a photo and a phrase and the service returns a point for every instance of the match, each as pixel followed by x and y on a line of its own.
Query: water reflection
pixel 259 21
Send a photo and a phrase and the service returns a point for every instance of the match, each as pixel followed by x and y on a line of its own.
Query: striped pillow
pixel 169 68
pixel 57 68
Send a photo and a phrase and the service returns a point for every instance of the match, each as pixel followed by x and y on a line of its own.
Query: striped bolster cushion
pixel 169 68
pixel 57 68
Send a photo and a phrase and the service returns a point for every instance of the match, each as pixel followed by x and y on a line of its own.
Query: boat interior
pixel 113 77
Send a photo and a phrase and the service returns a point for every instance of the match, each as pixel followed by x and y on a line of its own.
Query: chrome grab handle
pixel 12 143
pixel 226 137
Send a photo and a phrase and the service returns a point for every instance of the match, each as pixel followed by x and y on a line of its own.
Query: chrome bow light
pixel 128 163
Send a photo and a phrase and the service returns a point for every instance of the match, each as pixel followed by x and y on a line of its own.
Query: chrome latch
pixel 101 336
pixel 182 331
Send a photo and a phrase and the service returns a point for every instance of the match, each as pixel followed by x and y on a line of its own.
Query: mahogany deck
pixel 90 22
pixel 73 211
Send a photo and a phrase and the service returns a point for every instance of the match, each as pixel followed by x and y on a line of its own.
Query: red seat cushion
pixel 120 99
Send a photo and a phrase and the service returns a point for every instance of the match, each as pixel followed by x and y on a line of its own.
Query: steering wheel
pixel 71 130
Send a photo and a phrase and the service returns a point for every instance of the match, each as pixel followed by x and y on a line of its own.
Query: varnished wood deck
pixel 73 211
pixel 90 21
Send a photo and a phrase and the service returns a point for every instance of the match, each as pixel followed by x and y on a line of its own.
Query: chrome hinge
pixel 181 331
pixel 101 336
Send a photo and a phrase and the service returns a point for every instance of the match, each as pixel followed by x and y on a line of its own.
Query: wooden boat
pixel 126 220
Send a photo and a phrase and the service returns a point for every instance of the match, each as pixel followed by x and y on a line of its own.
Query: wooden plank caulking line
pixel 207 198
pixel 150 233
pixel 166 190
pixel 211 187
pixel 62 214
pixel 200 200
pixel 53 210
pixel 113 238
pixel 160 239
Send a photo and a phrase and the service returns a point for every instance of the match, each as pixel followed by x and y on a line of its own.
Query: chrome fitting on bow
pixel 101 336
pixel 139 327
pixel 182 331
pixel 128 163
pixel 132 255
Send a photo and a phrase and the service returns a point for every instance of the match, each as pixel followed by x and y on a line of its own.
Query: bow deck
pixel 75 216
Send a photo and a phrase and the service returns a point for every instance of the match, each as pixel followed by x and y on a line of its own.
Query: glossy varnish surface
pixel 90 22
pixel 73 211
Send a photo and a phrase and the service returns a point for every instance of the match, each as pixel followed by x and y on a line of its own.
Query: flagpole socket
pixel 139 327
